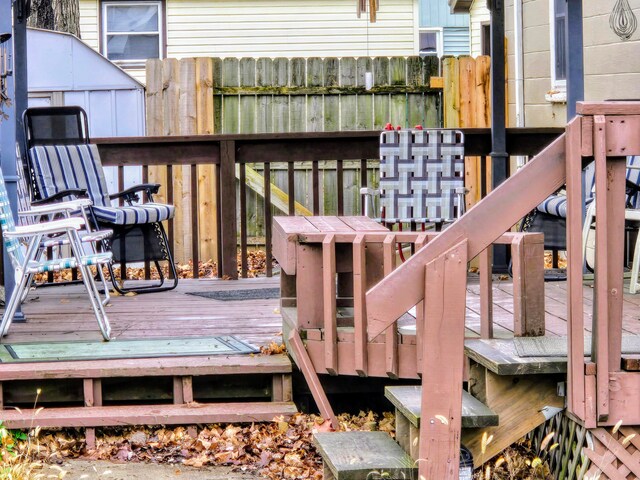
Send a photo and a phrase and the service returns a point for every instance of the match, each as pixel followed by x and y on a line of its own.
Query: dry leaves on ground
pixel 281 449
pixel 256 266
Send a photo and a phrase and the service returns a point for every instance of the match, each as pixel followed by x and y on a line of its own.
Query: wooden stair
pixel 522 391
pixel 147 391
pixel 355 455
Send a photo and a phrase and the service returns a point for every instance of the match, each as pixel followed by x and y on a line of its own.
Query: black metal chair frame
pixel 78 133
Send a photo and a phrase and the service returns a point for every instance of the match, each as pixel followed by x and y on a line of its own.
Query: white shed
pixel 63 70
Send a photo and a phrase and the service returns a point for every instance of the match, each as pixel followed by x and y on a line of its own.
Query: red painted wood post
pixel 486 293
pixel 329 293
pixel 92 390
pixel 607 332
pixel 421 241
pixel 359 303
pixel 527 253
pixel 391 334
pixel 575 324
pixel 444 315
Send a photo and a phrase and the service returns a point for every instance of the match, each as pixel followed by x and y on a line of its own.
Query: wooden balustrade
pixel 226 152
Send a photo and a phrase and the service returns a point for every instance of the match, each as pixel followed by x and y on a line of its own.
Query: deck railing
pixel 228 152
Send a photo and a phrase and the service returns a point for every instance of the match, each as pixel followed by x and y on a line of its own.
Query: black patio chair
pixel 61 157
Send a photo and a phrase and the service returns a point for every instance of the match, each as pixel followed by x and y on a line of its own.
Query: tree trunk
pixel 59 15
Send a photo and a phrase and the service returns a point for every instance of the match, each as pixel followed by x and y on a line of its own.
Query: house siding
pixel 456 41
pixel 611 66
pixel 437 13
pixel 277 28
pixel 478 14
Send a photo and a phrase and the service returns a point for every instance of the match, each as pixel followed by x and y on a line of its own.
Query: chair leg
pixel 12 304
pixel 157 287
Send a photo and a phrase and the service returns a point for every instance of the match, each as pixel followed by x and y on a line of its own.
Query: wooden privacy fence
pixel 248 95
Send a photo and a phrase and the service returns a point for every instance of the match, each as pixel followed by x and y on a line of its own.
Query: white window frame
pixel 134 62
pixel 558 85
pixel 439 39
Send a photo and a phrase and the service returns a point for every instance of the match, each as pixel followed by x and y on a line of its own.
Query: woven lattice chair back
pixel 421 175
pixel 12 245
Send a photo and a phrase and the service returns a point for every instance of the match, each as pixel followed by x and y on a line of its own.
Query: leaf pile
pixel 256 266
pixel 517 462
pixel 281 449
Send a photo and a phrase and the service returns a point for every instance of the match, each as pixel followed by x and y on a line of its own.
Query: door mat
pixel 247 294
pixel 168 347
pixel 557 346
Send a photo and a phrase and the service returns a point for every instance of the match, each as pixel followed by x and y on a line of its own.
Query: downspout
pixel 519 70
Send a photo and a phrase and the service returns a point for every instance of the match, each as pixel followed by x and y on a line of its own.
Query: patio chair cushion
pixel 137 214
pixel 61 167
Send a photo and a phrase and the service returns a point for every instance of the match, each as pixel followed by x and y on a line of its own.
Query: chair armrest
pixel 60 207
pixel 130 193
pixel 369 191
pixel 54 226
pixel 71 192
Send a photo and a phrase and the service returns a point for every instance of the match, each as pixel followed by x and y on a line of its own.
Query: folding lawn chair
pixel 23 245
pixel 57 164
pixel 421 177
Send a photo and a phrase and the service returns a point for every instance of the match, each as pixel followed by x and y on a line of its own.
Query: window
pixel 131 31
pixel 430 43
pixel 485 39
pixel 558 42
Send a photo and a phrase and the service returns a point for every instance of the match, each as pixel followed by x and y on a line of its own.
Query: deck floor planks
pixel 63 313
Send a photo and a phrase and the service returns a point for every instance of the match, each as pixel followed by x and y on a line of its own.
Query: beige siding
pixel 289 28
pixel 478 14
pixel 612 66
pixel 538 111
pixel 89 22
pixel 276 28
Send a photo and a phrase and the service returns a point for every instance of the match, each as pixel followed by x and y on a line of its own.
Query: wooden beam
pixel 310 375
pixel 444 313
pixel 329 307
pixel 228 224
pixel 501 209
pixel 359 304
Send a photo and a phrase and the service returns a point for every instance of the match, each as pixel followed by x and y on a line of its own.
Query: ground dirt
pixel 103 470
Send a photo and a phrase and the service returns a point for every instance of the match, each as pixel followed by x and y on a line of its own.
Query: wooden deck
pixel 63 313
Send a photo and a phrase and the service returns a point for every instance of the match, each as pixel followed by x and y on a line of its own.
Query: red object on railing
pixel 418 127
pixel 388 126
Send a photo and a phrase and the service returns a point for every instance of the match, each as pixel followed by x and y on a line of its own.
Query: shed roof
pixel 62 62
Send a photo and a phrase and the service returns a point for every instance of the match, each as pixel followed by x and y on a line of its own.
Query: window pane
pixel 132 47
pixel 132 18
pixel 428 42
pixel 560 33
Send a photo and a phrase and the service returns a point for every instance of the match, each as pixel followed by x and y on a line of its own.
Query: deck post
pixel 359 303
pixel 486 293
pixel 391 334
pixel 607 328
pixel 228 224
pixel 527 253
pixel 444 314
pixel 575 320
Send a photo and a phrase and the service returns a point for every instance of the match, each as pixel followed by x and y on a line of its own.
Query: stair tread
pixel 170 414
pixel 354 455
pixel 140 367
pixel 407 399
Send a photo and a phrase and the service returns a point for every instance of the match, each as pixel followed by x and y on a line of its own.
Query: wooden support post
pixel 391 335
pixel 575 320
pixel 92 390
pixel 486 293
pixel 227 187
pixel 359 304
pixel 310 375
pixel 329 292
pixel 444 313
pixel 178 392
pixel 607 331
pixel 421 241
pixel 310 299
pixel 527 253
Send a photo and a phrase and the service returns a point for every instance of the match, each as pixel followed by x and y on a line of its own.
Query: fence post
pixel 228 224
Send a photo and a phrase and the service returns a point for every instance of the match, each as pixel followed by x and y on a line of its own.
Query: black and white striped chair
pixel 138 234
